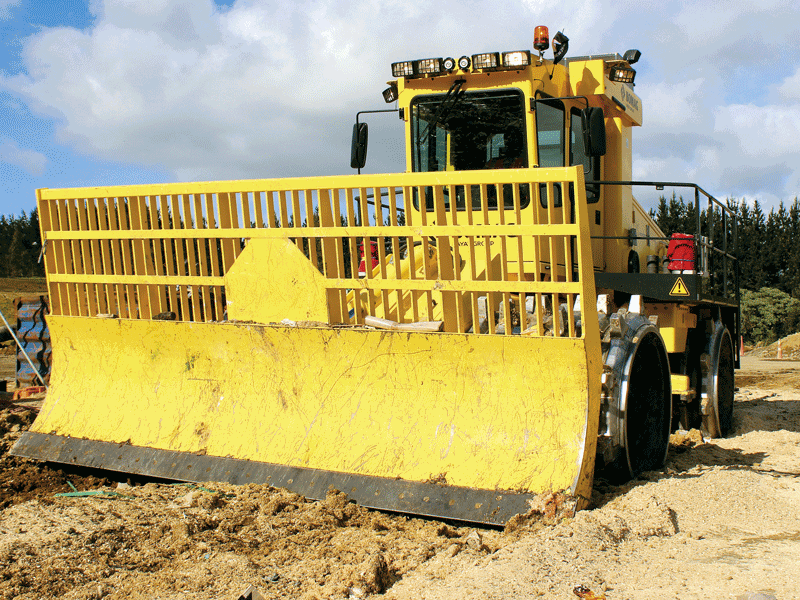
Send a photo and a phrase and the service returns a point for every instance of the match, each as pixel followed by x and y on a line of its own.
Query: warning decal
pixel 679 289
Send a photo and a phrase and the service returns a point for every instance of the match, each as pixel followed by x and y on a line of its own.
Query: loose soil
pixel 721 520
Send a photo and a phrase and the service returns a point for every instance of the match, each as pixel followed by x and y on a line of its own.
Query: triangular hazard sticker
pixel 679 289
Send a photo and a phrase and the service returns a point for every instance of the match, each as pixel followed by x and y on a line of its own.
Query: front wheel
pixel 637 398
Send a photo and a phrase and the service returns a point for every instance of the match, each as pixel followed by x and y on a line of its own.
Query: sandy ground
pixel 721 520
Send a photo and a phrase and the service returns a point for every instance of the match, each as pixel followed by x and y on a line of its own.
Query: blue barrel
pixel 32 332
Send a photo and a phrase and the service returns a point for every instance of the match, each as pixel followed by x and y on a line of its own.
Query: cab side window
pixel 550 132
pixel 577 156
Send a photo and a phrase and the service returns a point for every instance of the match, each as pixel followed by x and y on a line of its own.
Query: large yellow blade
pixel 485 412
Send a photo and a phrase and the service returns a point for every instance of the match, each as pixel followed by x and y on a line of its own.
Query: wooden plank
pixel 48 220
pixel 204 260
pixel 127 248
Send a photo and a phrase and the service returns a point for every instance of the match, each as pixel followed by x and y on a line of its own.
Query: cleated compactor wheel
pixel 717 383
pixel 636 397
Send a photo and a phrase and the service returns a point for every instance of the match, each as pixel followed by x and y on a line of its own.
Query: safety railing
pixel 140 252
pixel 715 232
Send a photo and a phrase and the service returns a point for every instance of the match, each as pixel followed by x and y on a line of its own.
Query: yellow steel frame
pixel 137 251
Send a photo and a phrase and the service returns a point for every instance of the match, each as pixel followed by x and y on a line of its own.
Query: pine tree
pixel 16 258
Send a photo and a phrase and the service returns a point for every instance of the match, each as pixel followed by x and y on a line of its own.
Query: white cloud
pixel 762 131
pixel 790 88
pixel 31 161
pixel 5 8
pixel 262 89
pixel 256 90
pixel 674 106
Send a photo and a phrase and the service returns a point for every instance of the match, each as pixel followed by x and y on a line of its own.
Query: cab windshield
pixel 463 131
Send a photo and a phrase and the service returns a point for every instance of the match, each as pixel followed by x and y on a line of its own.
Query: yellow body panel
pixel 675 321
pixel 492 412
pixel 680 384
pixel 588 78
pixel 254 297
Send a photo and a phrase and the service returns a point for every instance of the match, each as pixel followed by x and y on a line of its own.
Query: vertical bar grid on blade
pixel 482 253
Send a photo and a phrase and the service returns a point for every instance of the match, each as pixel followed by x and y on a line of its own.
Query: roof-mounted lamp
pixel 390 94
pixel 622 75
pixel 631 56
pixel 541 38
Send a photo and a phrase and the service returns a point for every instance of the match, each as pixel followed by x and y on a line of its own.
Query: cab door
pixel 591 172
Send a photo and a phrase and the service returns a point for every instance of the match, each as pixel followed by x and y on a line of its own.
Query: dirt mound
pixel 201 542
pixel 22 480
pixel 790 348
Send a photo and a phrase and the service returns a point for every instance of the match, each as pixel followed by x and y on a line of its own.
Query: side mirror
pixel 594 131
pixel 358 149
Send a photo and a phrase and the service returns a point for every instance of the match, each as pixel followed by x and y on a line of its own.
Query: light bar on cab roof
pixel 487 60
pixel 518 58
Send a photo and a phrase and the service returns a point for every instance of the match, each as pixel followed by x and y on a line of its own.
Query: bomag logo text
pixel 631 99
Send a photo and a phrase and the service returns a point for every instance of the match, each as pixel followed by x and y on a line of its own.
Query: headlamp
pixel 429 66
pixel 390 94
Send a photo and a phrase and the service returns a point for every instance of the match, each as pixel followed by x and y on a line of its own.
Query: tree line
pixel 20 246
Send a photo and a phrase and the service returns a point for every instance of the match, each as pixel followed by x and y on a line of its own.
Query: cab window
pixel 550 132
pixel 470 131
pixel 577 156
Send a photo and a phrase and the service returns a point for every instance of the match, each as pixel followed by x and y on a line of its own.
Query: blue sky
pixel 138 91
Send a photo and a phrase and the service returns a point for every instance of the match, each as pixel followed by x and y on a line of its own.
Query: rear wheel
pixel 718 384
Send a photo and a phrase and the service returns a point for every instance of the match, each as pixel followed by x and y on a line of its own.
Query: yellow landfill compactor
pixel 521 319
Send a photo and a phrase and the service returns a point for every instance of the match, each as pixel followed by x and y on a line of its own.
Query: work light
pixel 449 64
pixel 519 58
pixel 429 66
pixel 403 69
pixel 390 94
pixel 622 75
pixel 487 60
pixel 464 63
